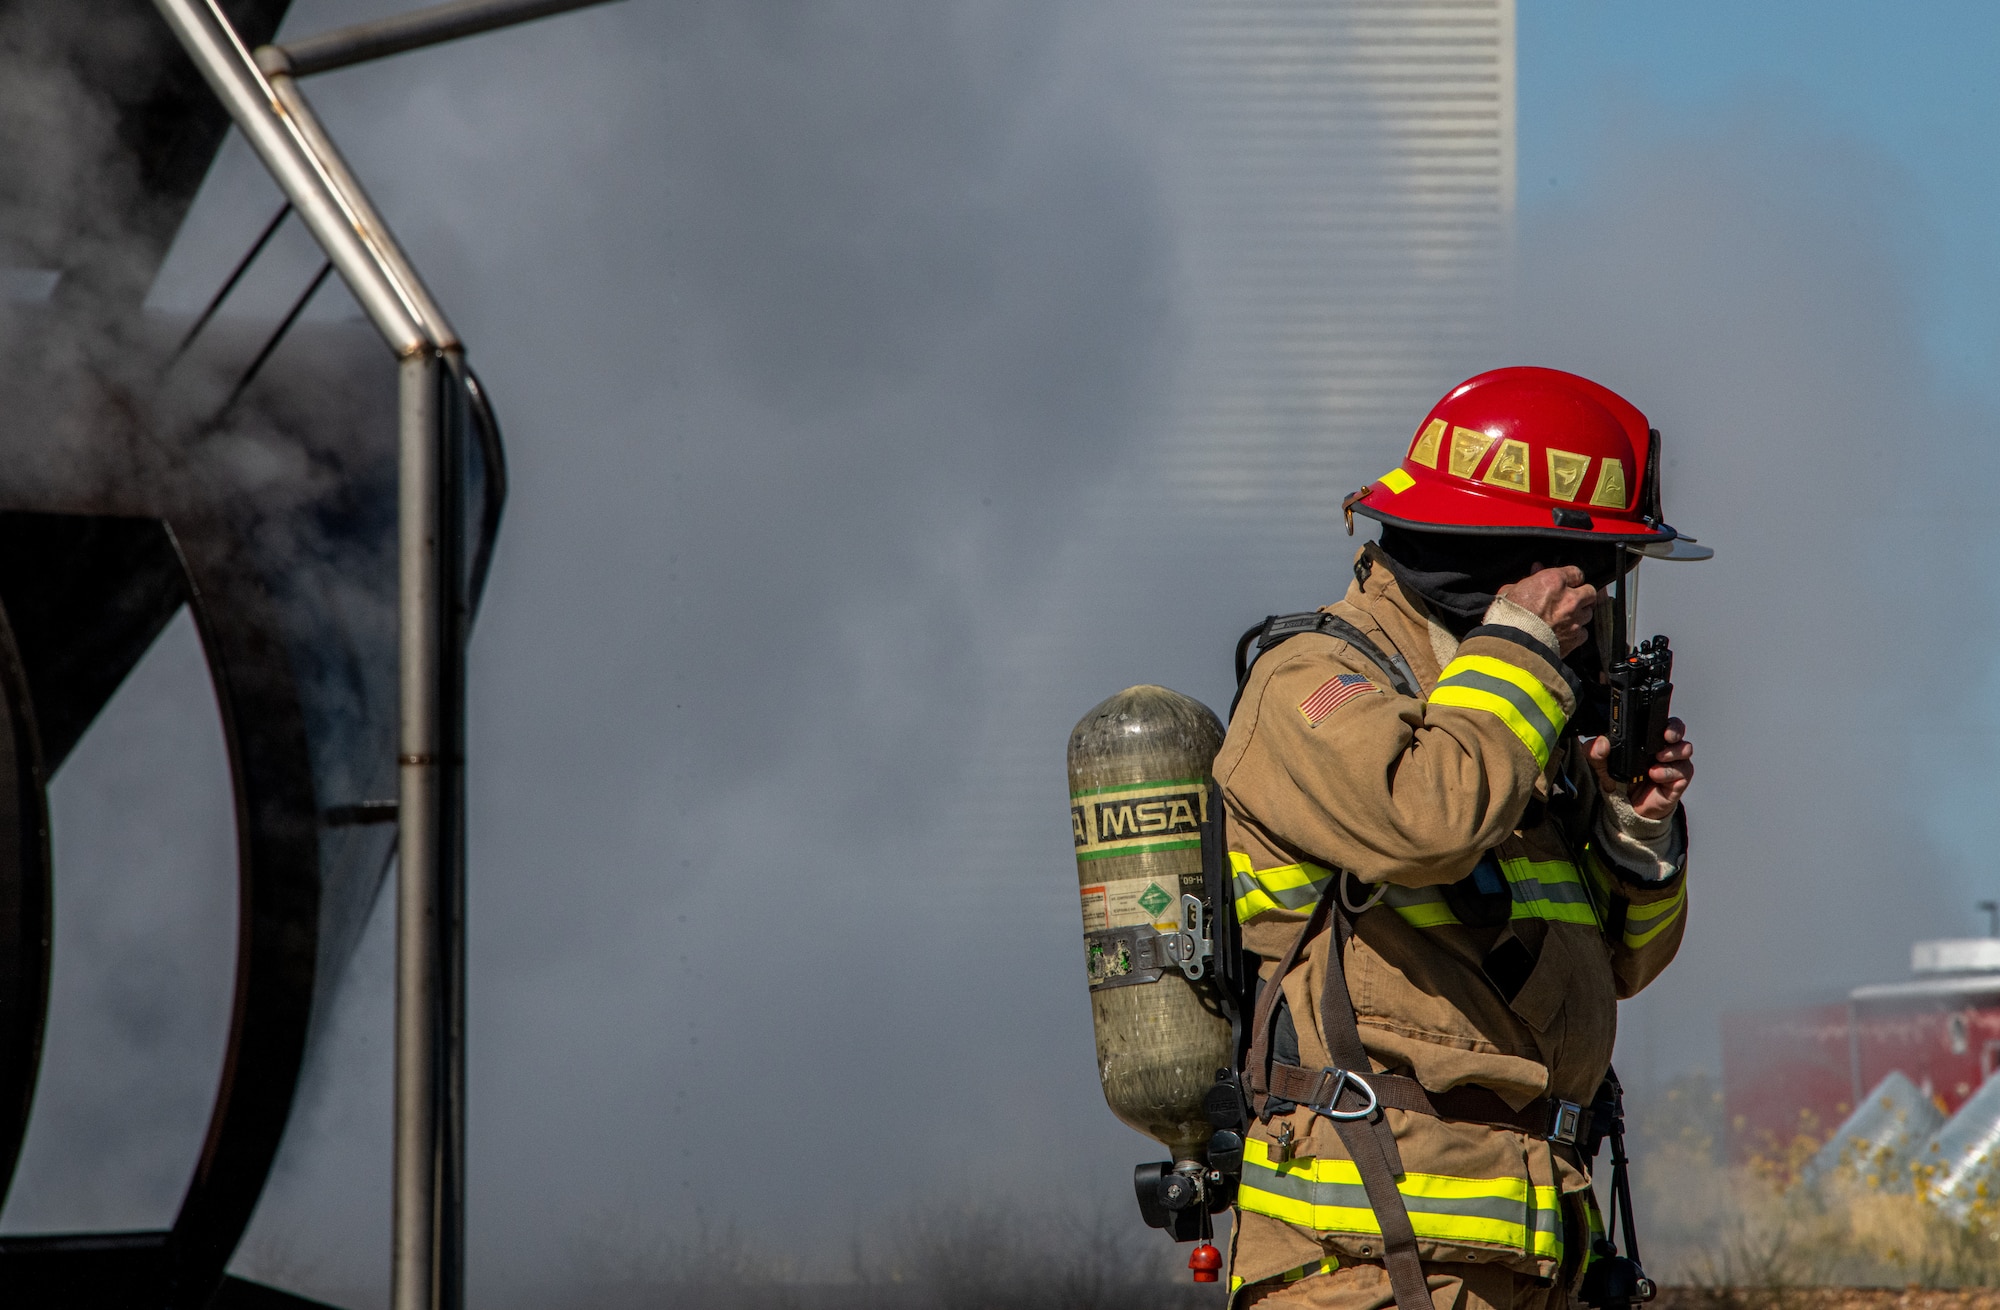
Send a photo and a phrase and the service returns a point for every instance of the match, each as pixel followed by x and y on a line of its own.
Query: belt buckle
pixel 1565 1119
pixel 1341 1079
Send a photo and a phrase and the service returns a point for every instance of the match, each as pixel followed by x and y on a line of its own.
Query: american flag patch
pixel 1332 694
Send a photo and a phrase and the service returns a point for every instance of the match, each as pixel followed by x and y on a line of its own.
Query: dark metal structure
pixel 253 479
pixel 85 589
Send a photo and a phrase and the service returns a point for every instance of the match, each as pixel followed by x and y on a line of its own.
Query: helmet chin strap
pixel 1619 617
pixel 1628 598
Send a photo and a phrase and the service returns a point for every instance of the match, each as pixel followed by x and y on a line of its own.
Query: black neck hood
pixel 1457 575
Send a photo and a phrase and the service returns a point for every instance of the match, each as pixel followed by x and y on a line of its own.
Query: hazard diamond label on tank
pixel 1130 902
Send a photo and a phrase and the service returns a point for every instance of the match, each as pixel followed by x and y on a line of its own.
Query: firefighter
pixel 1490 891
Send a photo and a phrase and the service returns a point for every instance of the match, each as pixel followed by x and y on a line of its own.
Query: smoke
pixel 842 351
pixel 1736 277
pixel 70 192
pixel 849 307
pixel 103 416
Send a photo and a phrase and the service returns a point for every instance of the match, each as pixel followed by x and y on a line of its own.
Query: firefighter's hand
pixel 1559 598
pixel 1655 795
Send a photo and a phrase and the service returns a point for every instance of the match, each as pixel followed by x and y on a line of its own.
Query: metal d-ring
pixel 1373 900
pixel 1342 1079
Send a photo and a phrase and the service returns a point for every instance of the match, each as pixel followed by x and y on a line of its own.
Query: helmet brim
pixel 1680 548
pixel 1429 508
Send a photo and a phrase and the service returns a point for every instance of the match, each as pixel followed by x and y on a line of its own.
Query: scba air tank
pixel 1140 796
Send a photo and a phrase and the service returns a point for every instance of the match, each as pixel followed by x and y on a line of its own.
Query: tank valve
pixel 1181 1190
pixel 1175 1197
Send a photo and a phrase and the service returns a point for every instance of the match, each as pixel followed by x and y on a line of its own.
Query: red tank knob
pixel 1206 1263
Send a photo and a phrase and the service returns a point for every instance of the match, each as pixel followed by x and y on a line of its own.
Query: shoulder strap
pixel 1282 627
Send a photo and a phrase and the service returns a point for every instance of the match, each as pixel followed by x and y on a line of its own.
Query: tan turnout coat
pixel 1408 794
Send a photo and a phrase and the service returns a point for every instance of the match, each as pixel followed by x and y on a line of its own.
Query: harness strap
pixel 1369 1141
pixel 1264 1020
pixel 1343 1037
pixel 1282 627
pixel 1378 1182
pixel 1564 1122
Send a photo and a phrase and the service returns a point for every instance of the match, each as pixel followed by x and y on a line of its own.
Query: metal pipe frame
pixel 352 245
pixel 278 335
pixel 427 1245
pixel 420 1211
pixel 235 275
pixel 362 42
pixel 291 103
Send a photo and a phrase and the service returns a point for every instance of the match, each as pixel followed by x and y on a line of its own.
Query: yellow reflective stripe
pixel 1251 902
pixel 1548 1241
pixel 1287 876
pixel 1319 1218
pixel 1542 889
pixel 1284 887
pixel 1543 1240
pixel 1250 899
pixel 1324 1265
pixel 1600 876
pixel 1640 925
pixel 1420 907
pixel 1249 907
pixel 1334 1169
pixel 1582 914
pixel 1665 911
pixel 1549 889
pixel 1482 682
pixel 1326 1195
pixel 1514 673
pixel 1654 909
pixel 1546 872
pixel 1468 698
pixel 1428 914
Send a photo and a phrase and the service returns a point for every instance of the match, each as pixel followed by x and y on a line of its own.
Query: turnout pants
pixel 1366 1287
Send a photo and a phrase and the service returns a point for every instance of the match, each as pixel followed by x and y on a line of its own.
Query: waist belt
pixel 1323 1091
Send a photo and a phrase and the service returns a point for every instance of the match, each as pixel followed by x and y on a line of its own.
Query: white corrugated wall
pixel 1353 163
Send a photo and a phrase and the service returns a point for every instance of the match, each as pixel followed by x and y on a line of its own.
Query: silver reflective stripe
pixel 1301 897
pixel 1562 893
pixel 1546 1226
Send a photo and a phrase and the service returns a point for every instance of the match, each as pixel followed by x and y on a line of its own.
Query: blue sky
pixel 1915 85
pixel 1891 114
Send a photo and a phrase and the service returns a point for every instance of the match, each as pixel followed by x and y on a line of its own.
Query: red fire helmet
pixel 1531 452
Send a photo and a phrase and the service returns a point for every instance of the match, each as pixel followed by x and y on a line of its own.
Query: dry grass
pixel 1745 1235
pixel 1828 1298
pixel 1719 1236
pixel 995 1257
